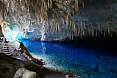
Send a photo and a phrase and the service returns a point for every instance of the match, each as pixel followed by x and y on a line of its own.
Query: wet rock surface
pixel 9 66
pixel 10 63
pixel 24 73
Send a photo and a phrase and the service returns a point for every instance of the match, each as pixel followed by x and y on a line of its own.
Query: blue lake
pixel 86 59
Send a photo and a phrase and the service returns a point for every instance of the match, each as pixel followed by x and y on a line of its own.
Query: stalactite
pixel 47 28
pixel 63 21
pixel 76 5
pixel 82 25
pixel 101 31
pixel 56 27
pixel 74 26
pixel 70 23
pixel 111 5
pixel 48 3
pixel 67 33
pixel 81 36
pixel 96 33
pixel 116 31
pixel 103 25
pixel 78 31
pixel 72 36
pixel 67 17
pixel 109 29
pixel 115 26
pixel 99 28
pixel 73 12
pixel 111 35
pixel 83 3
pixel 104 34
pixel 83 32
pixel 89 31
pixel 93 31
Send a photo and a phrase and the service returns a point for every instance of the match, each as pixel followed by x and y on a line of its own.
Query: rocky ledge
pixel 16 57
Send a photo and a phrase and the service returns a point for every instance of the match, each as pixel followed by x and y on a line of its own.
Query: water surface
pixel 87 60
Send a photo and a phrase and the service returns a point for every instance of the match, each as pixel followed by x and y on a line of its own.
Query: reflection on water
pixel 77 60
pixel 43 47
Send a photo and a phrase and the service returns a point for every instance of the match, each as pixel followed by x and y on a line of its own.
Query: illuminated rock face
pixel 24 73
pixel 57 20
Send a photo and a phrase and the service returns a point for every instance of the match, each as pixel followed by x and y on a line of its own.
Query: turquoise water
pixel 80 59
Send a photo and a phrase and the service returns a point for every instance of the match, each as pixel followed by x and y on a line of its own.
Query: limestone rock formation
pixel 25 52
pixel 1 34
pixel 15 44
pixel 57 20
pixel 24 73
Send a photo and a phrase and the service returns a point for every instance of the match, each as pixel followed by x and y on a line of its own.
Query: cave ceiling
pixel 60 18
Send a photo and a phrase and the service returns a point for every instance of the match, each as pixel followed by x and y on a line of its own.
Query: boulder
pixel 15 44
pixel 24 73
